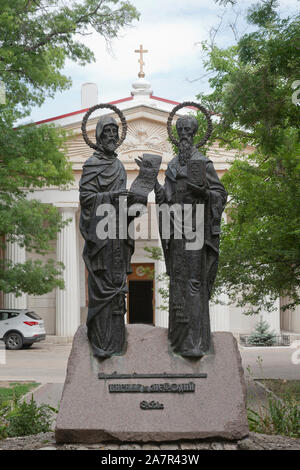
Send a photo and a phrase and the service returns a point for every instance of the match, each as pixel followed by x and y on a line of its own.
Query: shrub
pixel 23 419
pixel 261 336
pixel 278 417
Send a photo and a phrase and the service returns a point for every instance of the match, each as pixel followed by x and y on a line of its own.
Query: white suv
pixel 20 328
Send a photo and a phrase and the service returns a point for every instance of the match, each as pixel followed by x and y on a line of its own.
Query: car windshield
pixel 33 315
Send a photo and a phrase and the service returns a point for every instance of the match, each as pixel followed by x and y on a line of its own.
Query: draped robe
pixel 192 272
pixel 107 260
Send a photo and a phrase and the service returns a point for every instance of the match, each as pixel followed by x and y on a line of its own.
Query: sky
pixel 172 32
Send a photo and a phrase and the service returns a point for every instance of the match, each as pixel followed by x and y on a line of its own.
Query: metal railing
pixel 278 340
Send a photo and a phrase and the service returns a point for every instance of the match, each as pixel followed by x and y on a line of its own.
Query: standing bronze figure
pixel 107 255
pixel 103 181
pixel 191 179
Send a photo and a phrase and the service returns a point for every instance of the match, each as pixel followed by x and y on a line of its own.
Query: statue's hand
pixel 120 192
pixel 199 190
pixel 142 163
pixel 139 161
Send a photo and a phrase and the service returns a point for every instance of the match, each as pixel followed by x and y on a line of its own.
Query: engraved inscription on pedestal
pixel 153 388
pixel 151 405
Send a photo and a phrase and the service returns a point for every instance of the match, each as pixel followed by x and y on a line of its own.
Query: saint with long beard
pixel 107 260
pixel 192 271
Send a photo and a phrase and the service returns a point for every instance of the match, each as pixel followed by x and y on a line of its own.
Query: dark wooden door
pixel 140 298
pixel 140 302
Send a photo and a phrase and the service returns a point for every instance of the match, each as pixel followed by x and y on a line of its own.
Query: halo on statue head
pixel 202 109
pixel 100 106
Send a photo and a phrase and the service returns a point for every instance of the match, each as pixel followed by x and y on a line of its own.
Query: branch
pixel 54 33
pixel 91 13
pixel 46 40
pixel 214 31
pixel 200 78
pixel 233 26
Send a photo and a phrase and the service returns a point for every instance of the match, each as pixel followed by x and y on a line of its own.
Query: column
pixel 219 314
pixel 68 299
pixel 273 317
pixel 16 254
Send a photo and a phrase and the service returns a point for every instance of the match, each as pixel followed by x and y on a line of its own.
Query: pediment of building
pixel 146 133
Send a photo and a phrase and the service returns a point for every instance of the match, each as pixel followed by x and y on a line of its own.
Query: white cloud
pixel 169 29
pixel 169 46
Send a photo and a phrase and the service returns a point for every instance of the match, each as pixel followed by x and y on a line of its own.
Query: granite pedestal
pixel 208 402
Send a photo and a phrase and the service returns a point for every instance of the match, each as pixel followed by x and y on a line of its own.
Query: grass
pixel 11 390
pixel 281 413
pixel 19 417
pixel 284 388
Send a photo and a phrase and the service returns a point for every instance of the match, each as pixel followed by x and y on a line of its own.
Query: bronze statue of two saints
pixel 191 182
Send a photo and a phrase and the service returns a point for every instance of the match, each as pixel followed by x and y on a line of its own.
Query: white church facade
pixel 64 310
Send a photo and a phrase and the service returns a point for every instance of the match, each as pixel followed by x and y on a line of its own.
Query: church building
pixel 64 310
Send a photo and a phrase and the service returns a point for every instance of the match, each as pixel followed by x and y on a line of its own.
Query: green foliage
pixel 36 39
pixel 278 417
pixel 34 277
pixel 23 419
pixel 15 391
pixel 251 103
pixel 285 389
pixel 252 82
pixel 19 418
pixel 260 246
pixel 261 336
pixel 162 279
pixel 226 2
pixel 281 413
pixel 154 252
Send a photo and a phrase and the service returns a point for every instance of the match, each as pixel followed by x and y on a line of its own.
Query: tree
pixel 262 336
pixel 251 100
pixel 36 38
pixel 162 279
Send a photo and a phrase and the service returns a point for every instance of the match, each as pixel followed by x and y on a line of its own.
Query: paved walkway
pixel 271 362
pixel 44 362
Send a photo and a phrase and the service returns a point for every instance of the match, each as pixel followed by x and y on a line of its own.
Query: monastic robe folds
pixel 192 272
pixel 107 260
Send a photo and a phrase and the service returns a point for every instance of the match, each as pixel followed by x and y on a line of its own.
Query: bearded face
pixel 109 138
pixel 186 131
pixel 185 147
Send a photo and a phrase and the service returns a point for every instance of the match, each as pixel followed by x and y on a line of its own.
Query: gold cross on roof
pixel 141 52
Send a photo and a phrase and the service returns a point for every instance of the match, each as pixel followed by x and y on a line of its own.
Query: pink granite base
pixel 216 409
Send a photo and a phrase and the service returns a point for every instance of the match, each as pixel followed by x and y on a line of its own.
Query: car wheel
pixel 14 341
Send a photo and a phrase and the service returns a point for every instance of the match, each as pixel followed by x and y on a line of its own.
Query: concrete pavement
pixel 44 362
pixel 272 362
pixel 49 393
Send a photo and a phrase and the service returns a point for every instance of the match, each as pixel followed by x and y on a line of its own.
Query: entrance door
pixel 140 301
